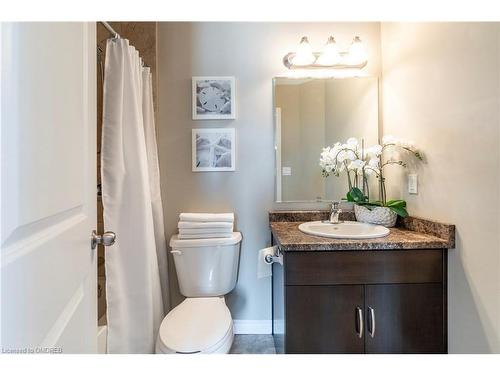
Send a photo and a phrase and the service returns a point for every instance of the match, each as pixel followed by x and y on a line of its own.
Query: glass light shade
pixel 304 55
pixel 330 54
pixel 357 54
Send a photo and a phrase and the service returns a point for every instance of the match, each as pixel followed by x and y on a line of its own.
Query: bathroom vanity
pixel 381 295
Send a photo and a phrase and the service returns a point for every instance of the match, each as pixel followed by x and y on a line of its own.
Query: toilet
pixel 207 270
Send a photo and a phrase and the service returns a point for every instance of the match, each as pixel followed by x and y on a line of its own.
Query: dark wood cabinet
pixel 405 318
pixel 324 319
pixel 383 301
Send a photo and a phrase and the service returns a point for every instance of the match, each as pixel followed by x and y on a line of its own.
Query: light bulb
pixel 330 55
pixel 304 55
pixel 357 53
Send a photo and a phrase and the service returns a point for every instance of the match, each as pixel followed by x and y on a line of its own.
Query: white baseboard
pixel 252 327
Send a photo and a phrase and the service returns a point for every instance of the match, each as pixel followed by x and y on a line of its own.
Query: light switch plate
pixel 286 171
pixel 412 184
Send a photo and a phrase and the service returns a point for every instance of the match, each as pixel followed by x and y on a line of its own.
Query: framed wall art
pixel 214 98
pixel 213 150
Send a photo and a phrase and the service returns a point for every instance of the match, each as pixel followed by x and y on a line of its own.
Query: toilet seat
pixel 197 325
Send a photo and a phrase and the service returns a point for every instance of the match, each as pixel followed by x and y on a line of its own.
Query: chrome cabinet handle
pixel 106 239
pixel 371 329
pixel 360 322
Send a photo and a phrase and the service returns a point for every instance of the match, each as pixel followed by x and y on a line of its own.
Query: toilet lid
pixel 195 325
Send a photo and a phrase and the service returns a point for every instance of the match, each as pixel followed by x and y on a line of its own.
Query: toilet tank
pixel 206 267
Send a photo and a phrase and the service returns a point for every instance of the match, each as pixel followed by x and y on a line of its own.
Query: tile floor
pixel 253 344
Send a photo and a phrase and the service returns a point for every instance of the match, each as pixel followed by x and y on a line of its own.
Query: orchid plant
pixel 359 163
pixel 346 157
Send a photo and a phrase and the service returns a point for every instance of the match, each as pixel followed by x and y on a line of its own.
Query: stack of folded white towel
pixel 193 226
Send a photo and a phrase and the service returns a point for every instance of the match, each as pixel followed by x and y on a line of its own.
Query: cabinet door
pixel 405 318
pixel 324 319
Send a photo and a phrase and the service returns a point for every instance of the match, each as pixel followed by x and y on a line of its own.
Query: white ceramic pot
pixel 376 215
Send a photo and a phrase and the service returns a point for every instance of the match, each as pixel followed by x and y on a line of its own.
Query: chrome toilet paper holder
pixel 277 257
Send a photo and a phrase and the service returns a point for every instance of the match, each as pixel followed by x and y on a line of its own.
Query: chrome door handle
pixel 106 239
pixel 360 322
pixel 371 329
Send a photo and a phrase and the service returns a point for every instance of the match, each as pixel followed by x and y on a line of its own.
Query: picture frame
pixel 213 98
pixel 213 150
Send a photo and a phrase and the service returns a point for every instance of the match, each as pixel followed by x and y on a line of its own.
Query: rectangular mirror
pixel 314 113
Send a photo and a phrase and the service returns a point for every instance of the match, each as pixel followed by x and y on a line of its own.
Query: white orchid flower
pixel 334 151
pixel 374 162
pixel 357 164
pixel 341 156
pixel 370 172
pixel 374 151
pixel 352 143
pixel 346 157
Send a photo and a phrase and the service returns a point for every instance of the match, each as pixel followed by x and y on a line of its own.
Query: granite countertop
pixel 409 233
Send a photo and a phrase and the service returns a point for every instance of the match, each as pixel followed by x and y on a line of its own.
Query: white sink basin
pixel 347 229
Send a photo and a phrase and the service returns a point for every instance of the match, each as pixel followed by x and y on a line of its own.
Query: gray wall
pixel 252 52
pixel 441 90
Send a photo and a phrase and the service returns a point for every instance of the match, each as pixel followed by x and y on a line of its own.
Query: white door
pixel 48 172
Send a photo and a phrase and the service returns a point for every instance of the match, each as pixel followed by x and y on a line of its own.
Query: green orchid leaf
pixel 401 211
pixel 396 203
pixel 357 195
pixel 350 198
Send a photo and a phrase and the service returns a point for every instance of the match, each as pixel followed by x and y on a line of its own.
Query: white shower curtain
pixel 154 181
pixel 130 193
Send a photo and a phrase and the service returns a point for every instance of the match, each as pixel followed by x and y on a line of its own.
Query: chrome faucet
pixel 334 213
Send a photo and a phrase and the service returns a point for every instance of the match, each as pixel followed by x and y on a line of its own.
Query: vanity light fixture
pixel 357 54
pixel 304 55
pixel 329 57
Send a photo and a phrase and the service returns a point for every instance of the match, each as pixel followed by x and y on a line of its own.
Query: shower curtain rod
pixel 110 29
pixel 116 36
